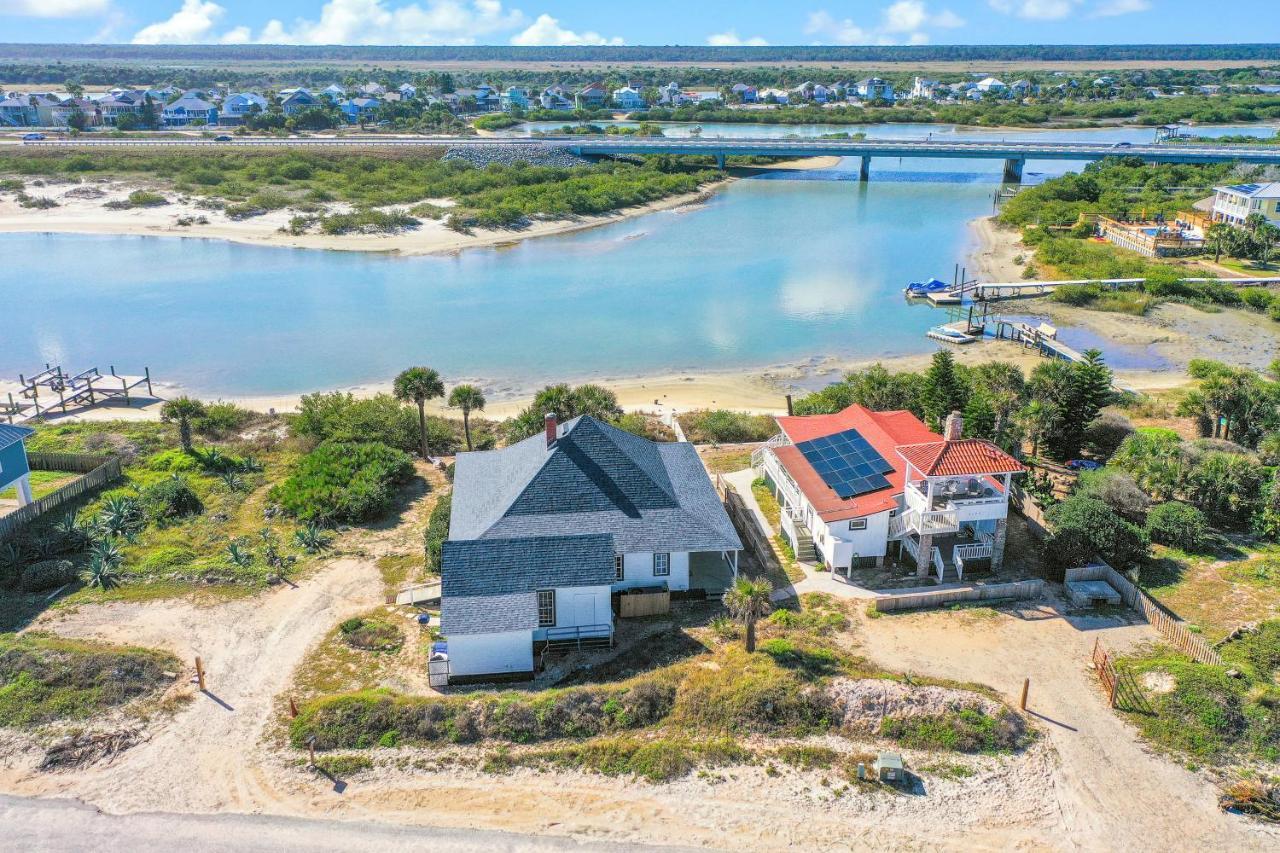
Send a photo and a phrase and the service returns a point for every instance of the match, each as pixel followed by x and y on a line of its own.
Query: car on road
pixel 1123 145
pixel 1083 465
pixel 222 137
pixel 32 137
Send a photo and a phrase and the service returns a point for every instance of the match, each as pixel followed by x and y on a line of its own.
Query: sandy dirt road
pixel 1110 792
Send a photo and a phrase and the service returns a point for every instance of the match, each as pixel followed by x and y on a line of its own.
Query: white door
pixel 584 610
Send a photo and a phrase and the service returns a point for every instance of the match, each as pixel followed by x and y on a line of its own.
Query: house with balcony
pixel 858 488
pixel 238 107
pixel 874 89
pixel 17 110
pixel 1233 204
pixel 189 110
pixel 628 99
pixel 515 98
pixel 545 535
pixel 298 101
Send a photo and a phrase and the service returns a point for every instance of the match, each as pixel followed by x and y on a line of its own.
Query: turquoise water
pixel 784 268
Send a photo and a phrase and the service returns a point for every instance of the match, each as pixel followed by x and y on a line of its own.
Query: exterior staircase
pixel 805 552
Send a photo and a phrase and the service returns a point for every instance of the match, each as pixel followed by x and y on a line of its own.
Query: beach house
pixel 17 111
pixel 514 98
pixel 591 97
pixel 189 110
pixel 1233 204
pixel 874 89
pixel 546 534
pixel 236 108
pixel 859 487
pixel 924 89
pixel 628 99
pixel 299 100
pixel 14 470
pixel 554 98
pixel 745 93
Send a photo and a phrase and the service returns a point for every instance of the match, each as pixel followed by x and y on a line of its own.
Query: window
pixel 617 566
pixel 857 524
pixel 661 565
pixel 892 513
pixel 546 608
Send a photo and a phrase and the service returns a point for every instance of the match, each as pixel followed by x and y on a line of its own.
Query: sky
pixel 570 22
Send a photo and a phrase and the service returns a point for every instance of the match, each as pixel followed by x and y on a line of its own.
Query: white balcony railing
pixel 912 547
pixel 938 565
pixel 975 551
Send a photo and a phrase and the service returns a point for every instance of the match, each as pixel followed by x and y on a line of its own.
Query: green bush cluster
pixel 170 499
pixel 720 426
pixel 344 482
pixel 1178 525
pixel 1084 527
pixel 966 730
pixel 371 634
pixel 340 417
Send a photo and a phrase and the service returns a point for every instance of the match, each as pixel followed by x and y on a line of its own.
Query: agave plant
pixel 121 516
pixel 214 460
pixel 10 563
pixel 70 531
pixel 232 481
pixel 249 464
pixel 311 538
pixel 106 551
pixel 101 572
pixel 239 555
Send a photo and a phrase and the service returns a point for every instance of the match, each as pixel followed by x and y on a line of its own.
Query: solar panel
pixel 847 463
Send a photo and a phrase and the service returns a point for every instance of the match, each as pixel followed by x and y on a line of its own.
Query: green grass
pixel 660 759
pixel 42 483
pixel 45 679
pixel 343 766
pixel 1210 715
pixel 967 730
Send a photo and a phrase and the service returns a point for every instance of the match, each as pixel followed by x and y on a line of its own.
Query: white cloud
pixel 1111 8
pixel 343 22
pixel 906 21
pixel 192 24
pixel 546 30
pixel 730 38
pixel 1036 10
pixel 55 8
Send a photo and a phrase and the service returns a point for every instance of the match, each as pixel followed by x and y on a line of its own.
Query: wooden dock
pixel 54 388
pixel 991 291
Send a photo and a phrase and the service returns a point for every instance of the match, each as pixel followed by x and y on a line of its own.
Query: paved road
pixel 933 148
pixel 58 826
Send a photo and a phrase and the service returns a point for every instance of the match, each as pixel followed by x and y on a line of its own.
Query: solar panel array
pixel 847 463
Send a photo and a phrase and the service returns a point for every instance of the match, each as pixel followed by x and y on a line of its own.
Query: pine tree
pixel 944 391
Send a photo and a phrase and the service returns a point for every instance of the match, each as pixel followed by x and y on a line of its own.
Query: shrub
pixel 47 574
pixel 174 461
pixel 143 198
pixel 341 417
pixel 966 730
pixel 221 419
pixel 721 426
pixel 344 482
pixel 1117 490
pixel 437 532
pixel 1178 525
pixel 372 635
pixel 1107 432
pixel 1084 527
pixel 171 498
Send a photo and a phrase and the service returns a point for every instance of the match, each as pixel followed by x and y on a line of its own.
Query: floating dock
pixel 54 388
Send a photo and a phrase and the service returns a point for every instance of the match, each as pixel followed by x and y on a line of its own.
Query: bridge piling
pixel 864 171
pixel 720 162
pixel 1013 170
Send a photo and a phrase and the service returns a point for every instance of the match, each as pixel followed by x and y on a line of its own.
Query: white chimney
pixel 953 428
pixel 550 420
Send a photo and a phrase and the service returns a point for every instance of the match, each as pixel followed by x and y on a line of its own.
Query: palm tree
pixel 469 399
pixel 182 410
pixel 748 600
pixel 418 385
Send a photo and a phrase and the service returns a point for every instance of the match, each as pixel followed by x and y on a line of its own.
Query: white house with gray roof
pixel 544 534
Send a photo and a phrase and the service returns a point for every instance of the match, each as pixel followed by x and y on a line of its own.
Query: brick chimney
pixel 953 427
pixel 550 420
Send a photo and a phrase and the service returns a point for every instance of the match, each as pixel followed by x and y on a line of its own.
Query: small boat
pixel 920 288
pixel 946 334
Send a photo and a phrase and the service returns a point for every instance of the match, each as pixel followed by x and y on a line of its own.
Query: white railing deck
pixel 974 551
pixel 938 566
pixel 912 547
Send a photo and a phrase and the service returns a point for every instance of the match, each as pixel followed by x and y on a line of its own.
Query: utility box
pixel 888 768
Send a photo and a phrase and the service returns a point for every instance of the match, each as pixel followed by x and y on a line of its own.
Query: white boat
pixel 951 336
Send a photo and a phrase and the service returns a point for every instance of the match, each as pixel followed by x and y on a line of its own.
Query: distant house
pixel 62 114
pixel 745 93
pixel 18 111
pixel 514 98
pixel 236 108
pixel 874 89
pixel 113 107
pixel 775 96
pixel 14 470
pixel 811 91
pixel 1233 204
pixel 373 90
pixel 486 98
pixel 704 96
pixel 407 91
pixel 992 85
pixel 591 97
pixel 627 98
pixel 543 534
pixel 858 487
pixel 333 90
pixel 924 89
pixel 1023 88
pixel 189 110
pixel 671 95
pixel 555 98
pixel 357 110
pixel 297 101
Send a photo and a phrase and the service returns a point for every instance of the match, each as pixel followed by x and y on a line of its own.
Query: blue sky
pixel 649 22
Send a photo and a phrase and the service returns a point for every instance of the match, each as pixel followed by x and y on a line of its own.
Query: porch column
pixel 926 552
pixel 24 490
pixel 997 544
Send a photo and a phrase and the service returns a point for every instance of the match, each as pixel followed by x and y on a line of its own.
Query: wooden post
pixel 1026 685
pixel 311 748
pixel 1115 683
pixel 200 673
pixel 293 708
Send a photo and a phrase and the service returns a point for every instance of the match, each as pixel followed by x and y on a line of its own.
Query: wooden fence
pixel 98 471
pixel 758 546
pixel 654 603
pixel 1029 508
pixel 1173 629
pixel 1121 687
pixel 939 597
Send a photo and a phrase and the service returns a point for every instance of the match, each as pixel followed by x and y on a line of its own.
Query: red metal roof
pixel 885 431
pixel 965 456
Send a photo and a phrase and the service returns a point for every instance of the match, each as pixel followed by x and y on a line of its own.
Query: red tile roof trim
pixel 966 456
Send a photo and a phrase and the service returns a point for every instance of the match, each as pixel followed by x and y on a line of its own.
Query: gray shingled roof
pixel 490 585
pixel 594 479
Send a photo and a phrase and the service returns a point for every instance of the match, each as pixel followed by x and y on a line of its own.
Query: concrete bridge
pixel 1015 154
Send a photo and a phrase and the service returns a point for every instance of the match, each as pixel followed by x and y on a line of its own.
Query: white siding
pixel 837 544
pixel 491 654
pixel 580 606
pixel 637 571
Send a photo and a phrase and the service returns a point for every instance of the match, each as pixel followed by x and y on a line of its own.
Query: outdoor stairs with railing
pixel 805 552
